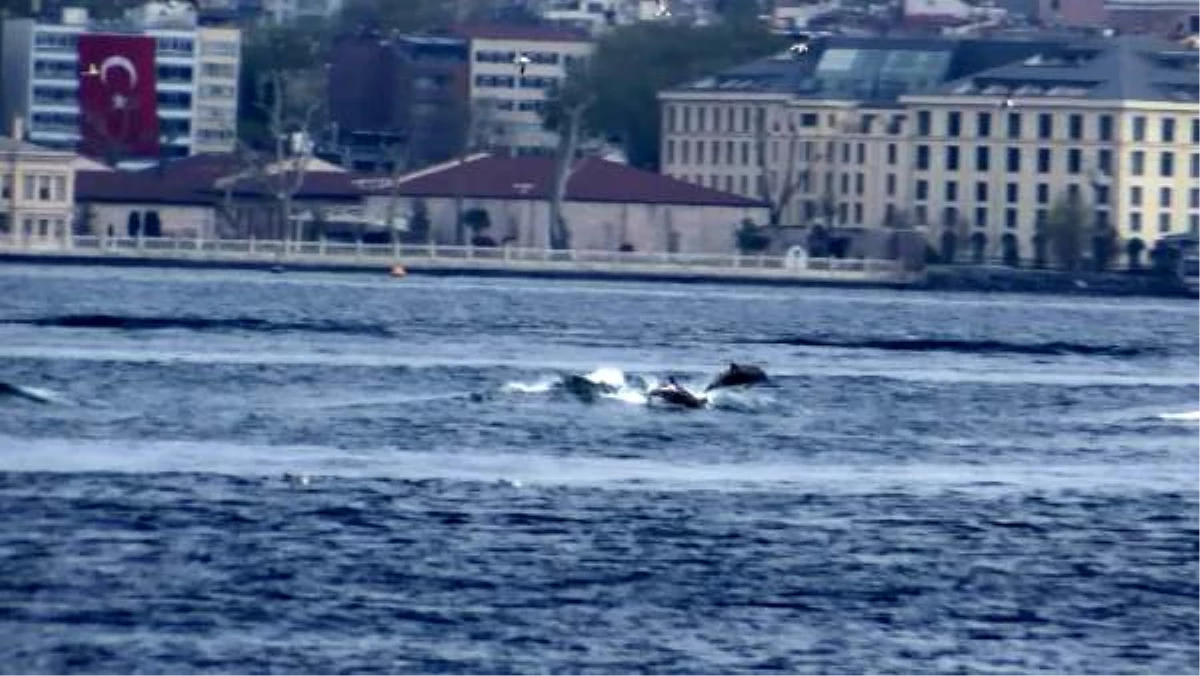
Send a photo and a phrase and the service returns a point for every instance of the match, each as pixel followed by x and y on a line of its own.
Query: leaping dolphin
pixel 738 374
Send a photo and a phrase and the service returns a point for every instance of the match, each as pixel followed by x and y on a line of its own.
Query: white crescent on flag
pixel 118 62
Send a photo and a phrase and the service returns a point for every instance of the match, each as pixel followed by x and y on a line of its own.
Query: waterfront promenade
pixel 448 260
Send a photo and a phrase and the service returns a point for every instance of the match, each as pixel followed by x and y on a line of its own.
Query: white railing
pixel 418 256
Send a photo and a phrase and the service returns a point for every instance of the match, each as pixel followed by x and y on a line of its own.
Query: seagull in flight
pixel 92 71
pixel 799 49
pixel 521 62
pixel 663 9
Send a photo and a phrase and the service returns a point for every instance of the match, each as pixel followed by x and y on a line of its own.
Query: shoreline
pixel 962 278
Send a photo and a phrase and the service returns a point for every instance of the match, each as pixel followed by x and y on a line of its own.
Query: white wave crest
pixel 1188 415
pixel 539 386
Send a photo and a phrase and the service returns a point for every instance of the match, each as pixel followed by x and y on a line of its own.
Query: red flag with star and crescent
pixel 118 95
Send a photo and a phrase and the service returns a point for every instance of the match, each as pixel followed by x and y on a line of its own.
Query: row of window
pixel 1043 161
pixel 36 187
pixel 510 82
pixel 166 46
pixel 1045 126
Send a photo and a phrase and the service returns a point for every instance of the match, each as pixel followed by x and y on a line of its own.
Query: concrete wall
pixel 186 222
pixel 595 225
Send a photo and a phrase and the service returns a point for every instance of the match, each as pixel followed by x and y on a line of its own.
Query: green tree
pixel 1067 229
pixel 752 238
pixel 631 64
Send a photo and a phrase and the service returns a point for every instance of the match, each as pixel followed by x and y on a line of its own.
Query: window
pixel 951 191
pixel 670 151
pixel 1166 164
pixel 1013 163
pixel 806 120
pixel 859 183
pixel 983 125
pixel 60 188
pixel 1168 130
pixel 981 217
pixel 1106 128
pixel 845 153
pixel 716 151
pixel 891 153
pixel 1196 131
pixel 1139 128
pixel 1043 193
pixel 845 182
pixel 1101 194
pixel 209 70
pixel 1137 163
pixel 1040 216
pixel 1194 224
pixel 700 151
pixel 1194 165
pixel 215 48
pixel 951 158
pixel 1164 198
pixel 1104 161
pixel 1014 125
pixel 1164 222
pixel 1135 221
pixel 950 215
pixel 175 46
pixel 671 121
pixel 922 190
pixel 982 159
pixel 891 185
pixel 28 188
pixel 687 117
pixel 685 152
pixel 923 123
pixel 1012 193
pixel 1135 196
pixel 1043 161
pixel 1194 198
pixel 861 152
pixel 701 119
pixel 5 192
pixel 1075 127
pixel 1045 126
pixel 923 158
pixel 981 191
pixel 1074 161
pixel 1010 218
pixel 858 213
pixel 954 124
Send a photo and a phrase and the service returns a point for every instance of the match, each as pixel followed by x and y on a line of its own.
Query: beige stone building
pixel 974 137
pixel 37 188
pixel 608 206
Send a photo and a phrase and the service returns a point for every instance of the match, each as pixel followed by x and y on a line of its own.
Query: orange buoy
pixel 398 271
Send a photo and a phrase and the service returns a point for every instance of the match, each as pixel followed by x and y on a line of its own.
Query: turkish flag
pixel 118 95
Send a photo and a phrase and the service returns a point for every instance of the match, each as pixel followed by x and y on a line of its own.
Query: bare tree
pixel 570 105
pixel 777 184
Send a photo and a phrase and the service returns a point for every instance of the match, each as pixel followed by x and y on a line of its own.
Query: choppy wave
pixel 965 346
pixel 194 323
pixel 614 384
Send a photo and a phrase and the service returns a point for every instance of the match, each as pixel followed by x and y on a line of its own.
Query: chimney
pixel 18 128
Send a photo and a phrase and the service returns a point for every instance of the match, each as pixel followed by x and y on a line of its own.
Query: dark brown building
pixel 401 98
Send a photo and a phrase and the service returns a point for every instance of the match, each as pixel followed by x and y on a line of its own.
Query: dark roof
pixel 870 69
pixel 532 32
pixel 1128 67
pixel 192 180
pixel 594 180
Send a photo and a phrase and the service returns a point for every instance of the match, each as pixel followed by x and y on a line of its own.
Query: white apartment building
pixel 196 70
pixel 286 11
pixel 512 103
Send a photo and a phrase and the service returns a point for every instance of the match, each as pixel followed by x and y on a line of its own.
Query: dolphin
pixel 673 393
pixel 587 390
pixel 738 374
pixel 10 390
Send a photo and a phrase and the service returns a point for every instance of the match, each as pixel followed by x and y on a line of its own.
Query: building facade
pixel 286 11
pixel 975 138
pixel 37 188
pixel 196 72
pixel 506 106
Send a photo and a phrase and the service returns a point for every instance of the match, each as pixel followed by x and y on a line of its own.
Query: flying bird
pixel 521 62
pixel 92 71
pixel 663 9
pixel 799 49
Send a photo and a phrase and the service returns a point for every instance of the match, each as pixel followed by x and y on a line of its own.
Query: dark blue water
pixel 930 484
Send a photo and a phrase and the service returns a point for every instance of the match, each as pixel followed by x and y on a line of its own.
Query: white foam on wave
pixel 539 386
pixel 138 456
pixel 1193 416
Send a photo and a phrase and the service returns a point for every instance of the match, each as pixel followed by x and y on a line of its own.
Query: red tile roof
pixel 532 33
pixel 192 180
pixel 594 180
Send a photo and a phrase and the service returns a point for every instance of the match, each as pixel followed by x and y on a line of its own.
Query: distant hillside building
pixel 972 139
pixel 430 96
